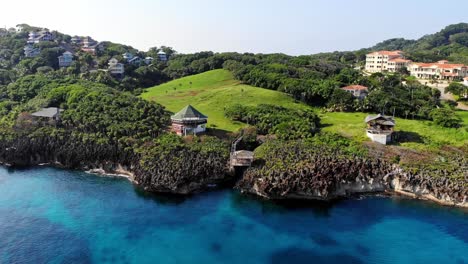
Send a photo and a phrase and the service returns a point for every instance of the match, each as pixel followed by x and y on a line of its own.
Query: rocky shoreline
pixel 318 177
pixel 396 182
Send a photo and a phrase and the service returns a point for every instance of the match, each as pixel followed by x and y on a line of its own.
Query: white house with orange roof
pixel 357 91
pixel 384 60
pixel 441 70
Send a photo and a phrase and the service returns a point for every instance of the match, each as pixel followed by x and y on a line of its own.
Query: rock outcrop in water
pixel 182 170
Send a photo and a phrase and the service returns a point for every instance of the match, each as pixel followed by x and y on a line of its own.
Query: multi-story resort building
pixel 393 61
pixel 385 60
pixel 441 70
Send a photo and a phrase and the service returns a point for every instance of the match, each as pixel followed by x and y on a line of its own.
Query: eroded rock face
pixel 180 172
pixel 323 178
pixel 329 178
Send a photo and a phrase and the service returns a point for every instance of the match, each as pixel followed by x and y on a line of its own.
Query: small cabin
pixel 380 128
pixel 188 121
pixel 358 91
pixel 49 115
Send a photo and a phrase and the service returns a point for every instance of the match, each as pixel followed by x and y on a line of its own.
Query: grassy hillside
pixel 211 92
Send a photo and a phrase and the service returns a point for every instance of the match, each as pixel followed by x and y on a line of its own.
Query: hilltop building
pixel 89 45
pixel 384 60
pixel 439 70
pixel 162 56
pixel 127 56
pixel 115 67
pixel 357 91
pixel 148 60
pixel 30 51
pixel 188 121
pixel 36 37
pixel 380 128
pixel 66 59
pixel 135 61
pixel 76 40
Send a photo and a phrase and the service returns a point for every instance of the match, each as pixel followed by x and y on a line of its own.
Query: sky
pixel 294 27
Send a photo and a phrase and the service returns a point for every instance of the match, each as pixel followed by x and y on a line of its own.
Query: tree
pixel 446 117
pixel 457 89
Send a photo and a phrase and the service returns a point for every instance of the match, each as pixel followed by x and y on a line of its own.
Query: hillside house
pixel 357 91
pixel 49 115
pixel 380 128
pixel 148 60
pixel 188 121
pixel 441 70
pixel 115 67
pixel 135 61
pixel 30 51
pixel 127 56
pixel 76 40
pixel 384 60
pixel 162 56
pixel 36 37
pixel 66 59
pixel 88 42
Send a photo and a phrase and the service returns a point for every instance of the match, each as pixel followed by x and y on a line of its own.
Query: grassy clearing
pixel 419 134
pixel 211 92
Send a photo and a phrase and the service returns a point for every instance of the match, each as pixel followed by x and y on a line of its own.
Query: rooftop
pixel 188 113
pixel 386 52
pixel 355 87
pixel 438 65
pixel 381 119
pixel 48 112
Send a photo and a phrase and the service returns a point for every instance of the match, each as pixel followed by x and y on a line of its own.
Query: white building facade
pixel 382 61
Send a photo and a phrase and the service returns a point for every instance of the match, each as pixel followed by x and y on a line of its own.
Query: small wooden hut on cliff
pixel 380 128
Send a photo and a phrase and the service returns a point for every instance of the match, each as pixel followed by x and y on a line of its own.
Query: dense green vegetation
pixel 270 119
pixel 450 43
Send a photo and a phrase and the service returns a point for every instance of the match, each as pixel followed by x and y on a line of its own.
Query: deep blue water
pixel 57 216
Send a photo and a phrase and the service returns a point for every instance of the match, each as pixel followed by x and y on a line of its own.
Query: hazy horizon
pixel 294 27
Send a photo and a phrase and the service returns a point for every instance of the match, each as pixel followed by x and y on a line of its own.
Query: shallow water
pixel 49 215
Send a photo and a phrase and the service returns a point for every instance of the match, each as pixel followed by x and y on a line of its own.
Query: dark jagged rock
pixel 320 174
pixel 182 171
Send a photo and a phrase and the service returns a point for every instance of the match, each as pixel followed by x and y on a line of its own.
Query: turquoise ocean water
pixel 49 215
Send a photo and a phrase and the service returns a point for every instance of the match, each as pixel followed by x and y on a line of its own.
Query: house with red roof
pixel 357 91
pixel 441 70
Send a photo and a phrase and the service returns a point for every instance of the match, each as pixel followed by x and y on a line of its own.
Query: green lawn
pixel 352 125
pixel 211 92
